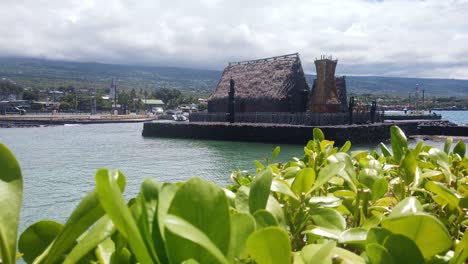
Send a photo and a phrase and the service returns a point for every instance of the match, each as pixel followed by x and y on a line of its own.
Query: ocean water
pixel 59 162
pixel 458 117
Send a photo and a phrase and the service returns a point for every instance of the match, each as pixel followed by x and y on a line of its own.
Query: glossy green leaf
pixel 323 200
pixel 262 250
pixel 385 151
pixel 290 172
pixel 276 151
pixel 411 171
pixel 318 253
pixel 36 238
pixel 186 230
pixel 379 188
pixel 326 173
pixel 88 211
pixel 276 209
pixel 147 202
pixel 353 236
pixel 461 251
pixel 378 254
pixel 264 218
pixel 116 208
pixel 104 251
pixel 460 149
pixel 318 134
pixel 407 206
pixel 377 235
pixel 346 146
pixel 328 218
pixel 260 190
pixel 102 230
pixel 303 181
pixel 399 142
pixel 281 186
pixel 242 225
pixel 11 195
pixel 403 249
pixel 204 206
pixel 427 232
pixel 442 192
pixel 332 233
pixel 448 145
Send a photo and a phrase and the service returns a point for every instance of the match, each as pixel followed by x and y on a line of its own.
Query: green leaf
pixel 260 190
pixel 264 218
pixel 410 168
pixel 398 141
pixel 276 151
pixel 378 254
pixel 147 202
pixel 379 188
pixel 37 237
pixel 116 208
pixel 303 181
pixel 377 235
pixel 318 253
pixel 346 146
pixel 184 229
pixel 353 236
pixel 262 250
pixel 448 145
pixel 318 134
pixel 102 230
pixel 328 218
pixel 11 195
pixel 204 206
pixel 290 172
pixel 385 151
pixel 326 173
pixel 461 251
pixel 242 225
pixel 403 249
pixel 281 186
pixel 427 232
pixel 460 149
pixel 407 206
pixel 442 192
pixel 88 211
pixel 104 251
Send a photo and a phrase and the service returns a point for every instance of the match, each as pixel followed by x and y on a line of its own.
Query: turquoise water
pixel 59 162
pixel 458 117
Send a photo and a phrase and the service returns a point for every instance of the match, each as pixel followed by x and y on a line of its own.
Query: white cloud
pixel 427 38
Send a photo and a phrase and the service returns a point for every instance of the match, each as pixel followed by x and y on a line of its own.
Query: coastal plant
pixel 332 205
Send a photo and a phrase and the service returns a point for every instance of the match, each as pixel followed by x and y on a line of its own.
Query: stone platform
pixel 275 133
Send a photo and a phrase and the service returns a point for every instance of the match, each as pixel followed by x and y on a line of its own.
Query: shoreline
pixel 50 120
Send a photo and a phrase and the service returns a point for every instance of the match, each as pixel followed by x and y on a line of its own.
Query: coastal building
pixel 275 84
pixel 153 105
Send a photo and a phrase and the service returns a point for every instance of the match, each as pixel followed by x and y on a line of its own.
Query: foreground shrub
pixel 408 205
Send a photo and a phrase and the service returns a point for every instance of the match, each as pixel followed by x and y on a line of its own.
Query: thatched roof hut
pixel 276 84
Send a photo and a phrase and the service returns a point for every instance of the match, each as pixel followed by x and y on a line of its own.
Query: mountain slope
pixel 46 74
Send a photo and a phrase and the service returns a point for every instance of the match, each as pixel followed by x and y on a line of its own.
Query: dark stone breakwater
pixel 275 133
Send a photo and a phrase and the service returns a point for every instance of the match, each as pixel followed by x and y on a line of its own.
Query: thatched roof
pixel 270 78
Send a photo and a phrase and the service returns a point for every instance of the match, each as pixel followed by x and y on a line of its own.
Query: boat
pixel 411 115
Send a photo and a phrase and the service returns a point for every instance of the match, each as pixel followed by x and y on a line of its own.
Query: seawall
pixel 275 133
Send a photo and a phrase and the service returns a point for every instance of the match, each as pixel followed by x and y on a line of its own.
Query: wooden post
pixel 231 101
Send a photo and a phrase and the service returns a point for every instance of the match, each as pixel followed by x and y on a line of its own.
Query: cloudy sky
pixel 369 37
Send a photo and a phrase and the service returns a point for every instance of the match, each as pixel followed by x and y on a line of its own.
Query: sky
pixel 403 38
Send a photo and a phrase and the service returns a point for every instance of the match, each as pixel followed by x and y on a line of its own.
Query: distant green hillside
pixel 53 74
